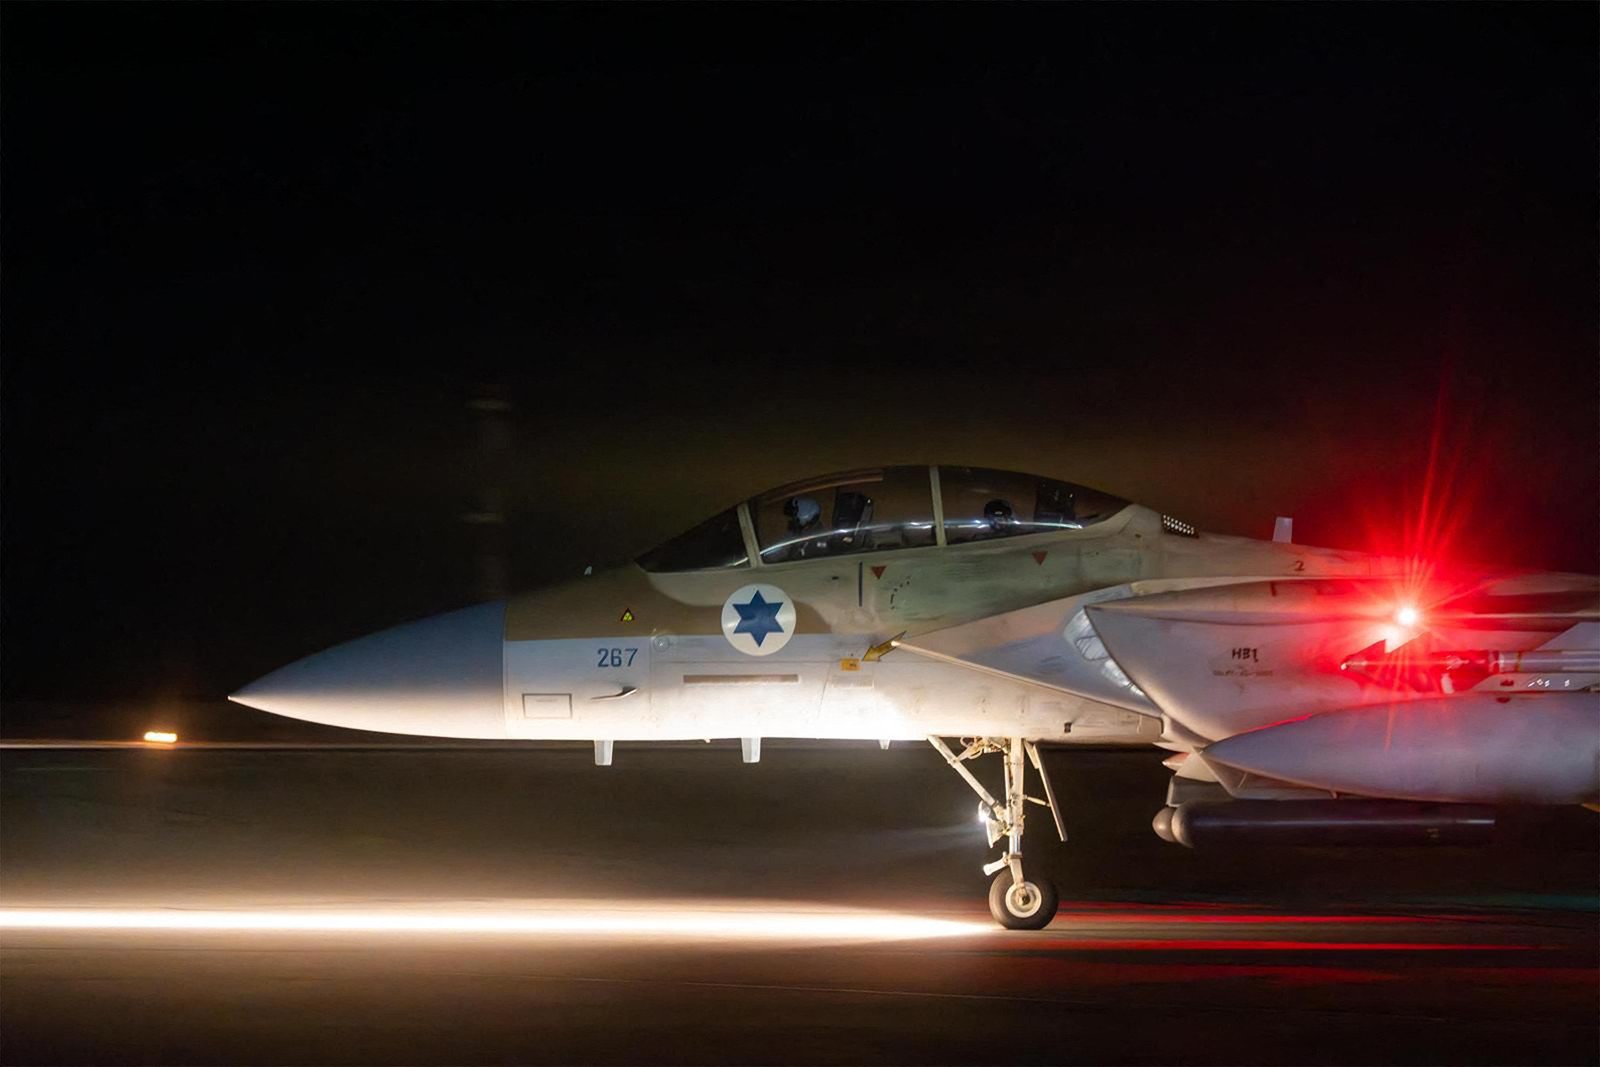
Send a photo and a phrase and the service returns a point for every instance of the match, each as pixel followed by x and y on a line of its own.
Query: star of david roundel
pixel 758 619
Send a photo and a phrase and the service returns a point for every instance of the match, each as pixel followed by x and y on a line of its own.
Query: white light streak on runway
pixel 574 920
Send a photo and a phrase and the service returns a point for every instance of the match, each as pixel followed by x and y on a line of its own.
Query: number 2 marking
pixel 615 657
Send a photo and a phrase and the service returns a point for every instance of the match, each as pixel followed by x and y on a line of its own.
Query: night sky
pixel 290 290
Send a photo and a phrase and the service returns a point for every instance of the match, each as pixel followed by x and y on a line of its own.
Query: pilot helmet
pixel 802 511
pixel 998 513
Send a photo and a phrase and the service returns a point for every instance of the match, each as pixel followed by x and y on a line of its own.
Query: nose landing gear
pixel 1017 902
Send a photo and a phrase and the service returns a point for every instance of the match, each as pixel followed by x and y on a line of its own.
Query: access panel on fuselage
pixel 701 686
pixel 577 688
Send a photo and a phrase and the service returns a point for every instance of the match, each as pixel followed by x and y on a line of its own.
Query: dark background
pixel 1233 262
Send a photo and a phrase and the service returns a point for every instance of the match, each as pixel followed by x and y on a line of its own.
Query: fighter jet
pixel 1306 694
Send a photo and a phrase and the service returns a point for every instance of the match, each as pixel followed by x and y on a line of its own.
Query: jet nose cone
pixel 442 676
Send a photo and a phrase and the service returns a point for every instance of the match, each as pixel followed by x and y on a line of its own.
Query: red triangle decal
pixel 877 571
pixel 1038 557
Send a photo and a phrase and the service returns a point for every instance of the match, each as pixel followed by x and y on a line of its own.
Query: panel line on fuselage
pixel 741 679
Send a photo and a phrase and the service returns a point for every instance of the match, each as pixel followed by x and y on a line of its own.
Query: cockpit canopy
pixel 881 509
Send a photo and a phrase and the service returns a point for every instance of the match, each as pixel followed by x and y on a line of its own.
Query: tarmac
pixel 823 906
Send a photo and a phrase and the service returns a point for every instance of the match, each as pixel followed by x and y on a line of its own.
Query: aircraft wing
pixel 1052 645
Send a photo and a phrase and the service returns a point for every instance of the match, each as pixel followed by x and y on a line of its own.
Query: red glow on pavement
pixel 1545 976
pixel 1238 917
pixel 1297 977
pixel 1117 973
pixel 1179 944
pixel 1152 909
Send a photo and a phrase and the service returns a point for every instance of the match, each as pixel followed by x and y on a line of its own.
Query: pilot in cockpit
pixel 1000 519
pixel 804 516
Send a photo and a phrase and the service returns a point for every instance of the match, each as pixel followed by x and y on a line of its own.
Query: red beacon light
pixel 1407 616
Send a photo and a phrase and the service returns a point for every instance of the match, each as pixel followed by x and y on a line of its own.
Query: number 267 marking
pixel 615 657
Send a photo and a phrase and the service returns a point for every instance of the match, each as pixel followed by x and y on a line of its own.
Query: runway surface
pixel 1153 984
pixel 823 906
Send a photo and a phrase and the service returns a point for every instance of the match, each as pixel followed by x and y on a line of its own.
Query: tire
pixel 1030 909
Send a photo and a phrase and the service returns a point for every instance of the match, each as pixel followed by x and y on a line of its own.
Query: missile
pixel 1456 671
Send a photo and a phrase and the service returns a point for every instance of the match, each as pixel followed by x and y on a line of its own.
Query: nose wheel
pixel 1025 905
pixel 1016 900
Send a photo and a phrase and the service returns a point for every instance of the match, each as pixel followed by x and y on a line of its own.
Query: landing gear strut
pixel 1017 902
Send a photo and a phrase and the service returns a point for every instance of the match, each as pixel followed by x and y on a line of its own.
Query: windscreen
pixel 715 543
